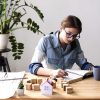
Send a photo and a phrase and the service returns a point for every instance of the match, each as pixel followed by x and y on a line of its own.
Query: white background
pixel 54 11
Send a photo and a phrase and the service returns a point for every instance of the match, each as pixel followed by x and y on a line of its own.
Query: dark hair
pixel 72 22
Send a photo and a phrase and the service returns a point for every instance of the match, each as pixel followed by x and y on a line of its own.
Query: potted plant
pixel 20 90
pixel 11 15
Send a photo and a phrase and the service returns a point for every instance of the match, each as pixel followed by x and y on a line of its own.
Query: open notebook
pixel 77 75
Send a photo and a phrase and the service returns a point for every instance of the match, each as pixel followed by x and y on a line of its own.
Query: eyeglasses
pixel 69 35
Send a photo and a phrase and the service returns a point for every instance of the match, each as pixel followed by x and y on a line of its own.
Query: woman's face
pixel 67 35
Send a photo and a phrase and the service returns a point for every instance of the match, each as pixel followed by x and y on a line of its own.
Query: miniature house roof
pixel 46 83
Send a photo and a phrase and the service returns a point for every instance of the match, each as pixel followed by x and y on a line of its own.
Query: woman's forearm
pixel 44 71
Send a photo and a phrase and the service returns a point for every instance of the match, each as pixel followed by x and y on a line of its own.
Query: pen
pixel 12 79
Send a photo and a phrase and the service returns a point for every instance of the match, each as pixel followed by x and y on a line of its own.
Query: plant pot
pixel 4 41
pixel 20 92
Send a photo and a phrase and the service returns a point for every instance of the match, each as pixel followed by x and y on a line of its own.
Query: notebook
pixel 77 75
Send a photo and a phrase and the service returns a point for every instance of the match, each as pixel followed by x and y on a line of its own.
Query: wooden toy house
pixel 46 88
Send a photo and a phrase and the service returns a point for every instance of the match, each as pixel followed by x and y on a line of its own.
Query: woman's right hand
pixel 58 73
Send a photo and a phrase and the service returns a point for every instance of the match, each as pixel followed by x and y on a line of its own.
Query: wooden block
pixel 36 87
pixel 34 81
pixel 29 81
pixel 28 86
pixel 69 90
pixel 53 78
pixel 64 86
pixel 54 84
pixel 63 82
pixel 39 81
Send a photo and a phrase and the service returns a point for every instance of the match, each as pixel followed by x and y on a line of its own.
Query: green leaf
pixel 11 37
pixel 14 54
pixel 14 50
pixel 22 24
pixel 21 85
pixel 18 57
pixel 20 46
pixel 28 27
pixel 29 21
pixel 20 53
pixel 38 12
pixel 33 29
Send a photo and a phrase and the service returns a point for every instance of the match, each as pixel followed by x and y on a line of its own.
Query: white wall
pixel 54 11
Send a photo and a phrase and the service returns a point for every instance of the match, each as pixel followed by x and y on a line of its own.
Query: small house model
pixel 46 88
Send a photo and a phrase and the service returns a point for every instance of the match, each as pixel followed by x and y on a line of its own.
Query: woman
pixel 60 50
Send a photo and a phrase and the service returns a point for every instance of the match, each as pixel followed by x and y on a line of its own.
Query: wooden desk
pixel 87 89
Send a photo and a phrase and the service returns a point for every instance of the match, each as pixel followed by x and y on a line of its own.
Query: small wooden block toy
pixel 64 86
pixel 63 82
pixel 29 81
pixel 34 81
pixel 69 90
pixel 54 84
pixel 53 78
pixel 28 86
pixel 36 87
pixel 39 81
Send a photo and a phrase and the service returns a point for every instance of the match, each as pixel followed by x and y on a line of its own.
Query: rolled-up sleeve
pixel 33 67
pixel 87 66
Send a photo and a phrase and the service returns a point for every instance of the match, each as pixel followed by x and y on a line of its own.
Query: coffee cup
pixel 96 73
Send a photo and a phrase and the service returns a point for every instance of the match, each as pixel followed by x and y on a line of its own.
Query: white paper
pixel 79 72
pixel 76 74
pixel 8 87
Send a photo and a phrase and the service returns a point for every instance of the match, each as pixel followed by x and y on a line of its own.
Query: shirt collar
pixel 55 39
pixel 56 43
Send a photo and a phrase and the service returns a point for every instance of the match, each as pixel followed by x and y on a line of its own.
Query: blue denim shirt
pixel 50 54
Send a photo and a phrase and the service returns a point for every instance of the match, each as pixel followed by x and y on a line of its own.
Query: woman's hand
pixel 58 73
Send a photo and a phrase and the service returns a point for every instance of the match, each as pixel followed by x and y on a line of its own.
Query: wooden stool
pixel 3 60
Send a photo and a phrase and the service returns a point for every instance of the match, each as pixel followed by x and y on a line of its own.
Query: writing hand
pixel 59 73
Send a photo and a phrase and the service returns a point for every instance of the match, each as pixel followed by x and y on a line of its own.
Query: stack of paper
pixel 9 83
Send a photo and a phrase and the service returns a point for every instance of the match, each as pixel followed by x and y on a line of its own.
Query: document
pixel 77 75
pixel 9 82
